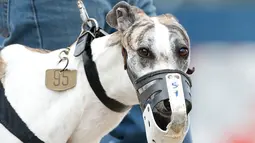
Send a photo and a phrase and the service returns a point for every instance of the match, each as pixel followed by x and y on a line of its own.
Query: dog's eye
pixel 144 52
pixel 184 52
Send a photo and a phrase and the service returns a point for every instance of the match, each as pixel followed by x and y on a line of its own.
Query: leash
pixel 83 47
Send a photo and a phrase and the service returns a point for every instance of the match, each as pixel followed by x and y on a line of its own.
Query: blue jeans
pixel 54 24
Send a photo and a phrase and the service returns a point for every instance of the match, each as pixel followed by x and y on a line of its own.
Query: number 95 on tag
pixel 58 80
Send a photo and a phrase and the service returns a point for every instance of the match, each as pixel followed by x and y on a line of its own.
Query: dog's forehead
pixel 163 28
pixel 173 26
pixel 166 19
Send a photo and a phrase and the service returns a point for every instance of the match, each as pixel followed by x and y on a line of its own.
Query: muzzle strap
pixel 158 86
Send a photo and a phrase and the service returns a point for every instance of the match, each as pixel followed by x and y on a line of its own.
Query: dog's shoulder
pixel 20 50
pixel 13 48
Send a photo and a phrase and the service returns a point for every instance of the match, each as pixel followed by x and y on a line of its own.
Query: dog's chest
pixel 51 115
pixel 54 116
pixel 96 122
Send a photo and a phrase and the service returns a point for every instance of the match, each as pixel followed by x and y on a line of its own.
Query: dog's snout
pixel 162 112
pixel 167 106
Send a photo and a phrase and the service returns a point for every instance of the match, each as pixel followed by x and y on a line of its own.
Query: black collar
pixel 84 47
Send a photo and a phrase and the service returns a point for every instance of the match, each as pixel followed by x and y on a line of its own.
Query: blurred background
pixel 222 37
pixel 223 52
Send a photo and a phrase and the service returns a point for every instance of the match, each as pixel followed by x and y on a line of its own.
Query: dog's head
pixel 152 43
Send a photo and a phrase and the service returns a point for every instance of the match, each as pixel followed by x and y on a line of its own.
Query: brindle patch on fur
pixel 43 51
pixel 147 62
pixel 2 67
pixel 166 58
pixel 130 33
pixel 139 34
pixel 176 29
pixel 143 32
pixel 166 19
pixel 114 39
pixel 136 35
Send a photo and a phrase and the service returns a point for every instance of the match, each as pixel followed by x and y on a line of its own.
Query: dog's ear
pixel 123 15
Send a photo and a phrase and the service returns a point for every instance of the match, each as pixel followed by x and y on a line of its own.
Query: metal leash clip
pixel 63 57
pixel 87 21
pixel 89 30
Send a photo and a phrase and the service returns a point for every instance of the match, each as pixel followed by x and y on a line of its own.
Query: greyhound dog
pixel 76 115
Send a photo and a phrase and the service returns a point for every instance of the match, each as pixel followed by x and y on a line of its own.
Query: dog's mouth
pixel 165 99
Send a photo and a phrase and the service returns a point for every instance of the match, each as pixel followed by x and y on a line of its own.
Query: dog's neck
pixel 106 52
pixel 107 55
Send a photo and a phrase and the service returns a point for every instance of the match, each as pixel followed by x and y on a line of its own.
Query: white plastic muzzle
pixel 177 129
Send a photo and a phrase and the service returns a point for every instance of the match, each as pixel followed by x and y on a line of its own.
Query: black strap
pixel 11 121
pixel 93 78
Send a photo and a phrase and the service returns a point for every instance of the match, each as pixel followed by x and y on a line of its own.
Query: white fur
pixel 77 113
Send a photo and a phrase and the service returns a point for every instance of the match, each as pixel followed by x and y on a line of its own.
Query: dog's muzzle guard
pixel 158 87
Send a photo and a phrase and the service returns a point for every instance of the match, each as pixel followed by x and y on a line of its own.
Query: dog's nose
pixel 167 108
pixel 162 113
